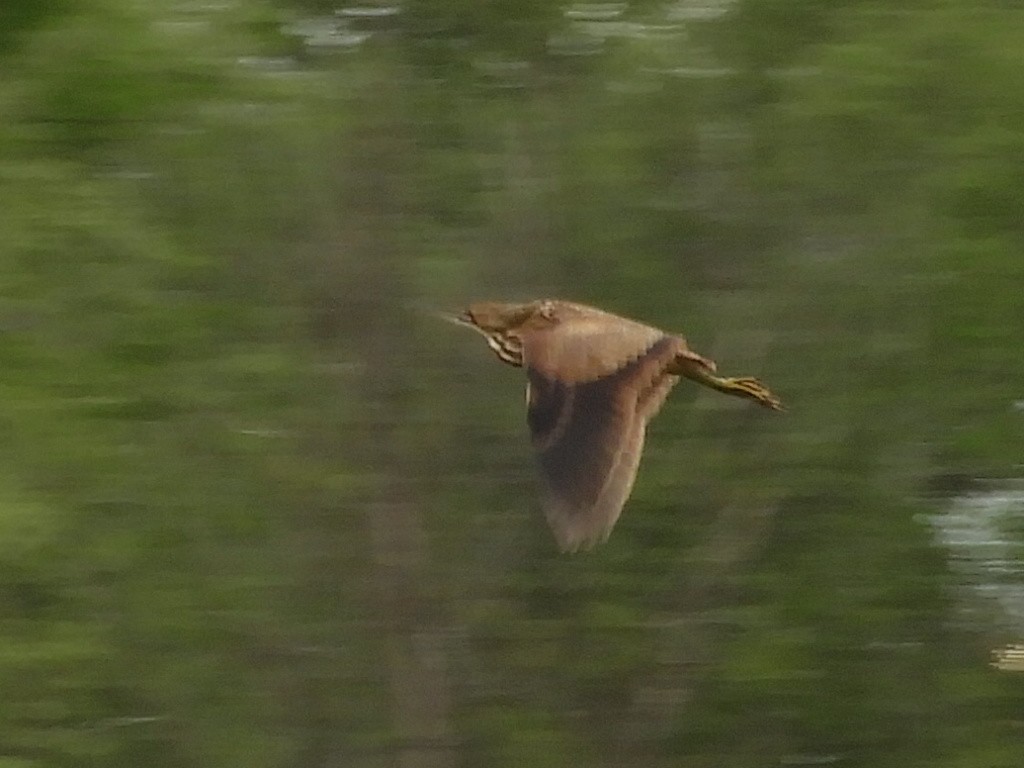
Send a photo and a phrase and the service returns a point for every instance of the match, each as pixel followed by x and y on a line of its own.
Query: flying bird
pixel 594 380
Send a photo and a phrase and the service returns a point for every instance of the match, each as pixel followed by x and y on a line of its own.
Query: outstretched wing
pixel 588 431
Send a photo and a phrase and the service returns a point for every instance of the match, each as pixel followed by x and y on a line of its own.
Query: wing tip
pixel 574 529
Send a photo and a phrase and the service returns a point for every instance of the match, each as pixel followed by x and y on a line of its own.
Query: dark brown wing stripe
pixel 575 430
pixel 549 409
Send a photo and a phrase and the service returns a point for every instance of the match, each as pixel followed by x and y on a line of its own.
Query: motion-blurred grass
pixel 258 509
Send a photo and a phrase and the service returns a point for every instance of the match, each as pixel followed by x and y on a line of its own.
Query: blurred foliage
pixel 259 509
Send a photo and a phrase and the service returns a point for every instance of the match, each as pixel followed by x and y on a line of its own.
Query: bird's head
pixel 499 317
pixel 499 322
pixel 490 317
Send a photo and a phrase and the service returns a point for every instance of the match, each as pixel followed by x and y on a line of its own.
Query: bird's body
pixel 594 380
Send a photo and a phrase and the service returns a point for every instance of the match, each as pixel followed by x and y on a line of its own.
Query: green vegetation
pixel 257 509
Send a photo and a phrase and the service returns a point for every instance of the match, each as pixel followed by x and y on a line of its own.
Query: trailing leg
pixel 701 370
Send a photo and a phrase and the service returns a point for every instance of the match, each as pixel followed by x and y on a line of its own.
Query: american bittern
pixel 594 380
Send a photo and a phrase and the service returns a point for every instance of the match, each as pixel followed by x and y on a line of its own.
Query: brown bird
pixel 594 380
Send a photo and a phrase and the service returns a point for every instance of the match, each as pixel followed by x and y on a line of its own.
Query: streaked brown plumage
pixel 594 380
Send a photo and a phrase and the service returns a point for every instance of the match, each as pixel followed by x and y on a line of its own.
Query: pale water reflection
pixel 984 534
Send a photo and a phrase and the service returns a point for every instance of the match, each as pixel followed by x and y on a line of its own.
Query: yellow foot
pixel 750 387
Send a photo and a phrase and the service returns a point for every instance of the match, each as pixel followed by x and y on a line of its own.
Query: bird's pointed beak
pixel 463 318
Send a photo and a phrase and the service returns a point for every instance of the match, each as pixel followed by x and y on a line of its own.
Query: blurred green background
pixel 259 509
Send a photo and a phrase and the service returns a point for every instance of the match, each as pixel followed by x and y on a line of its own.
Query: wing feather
pixel 589 436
